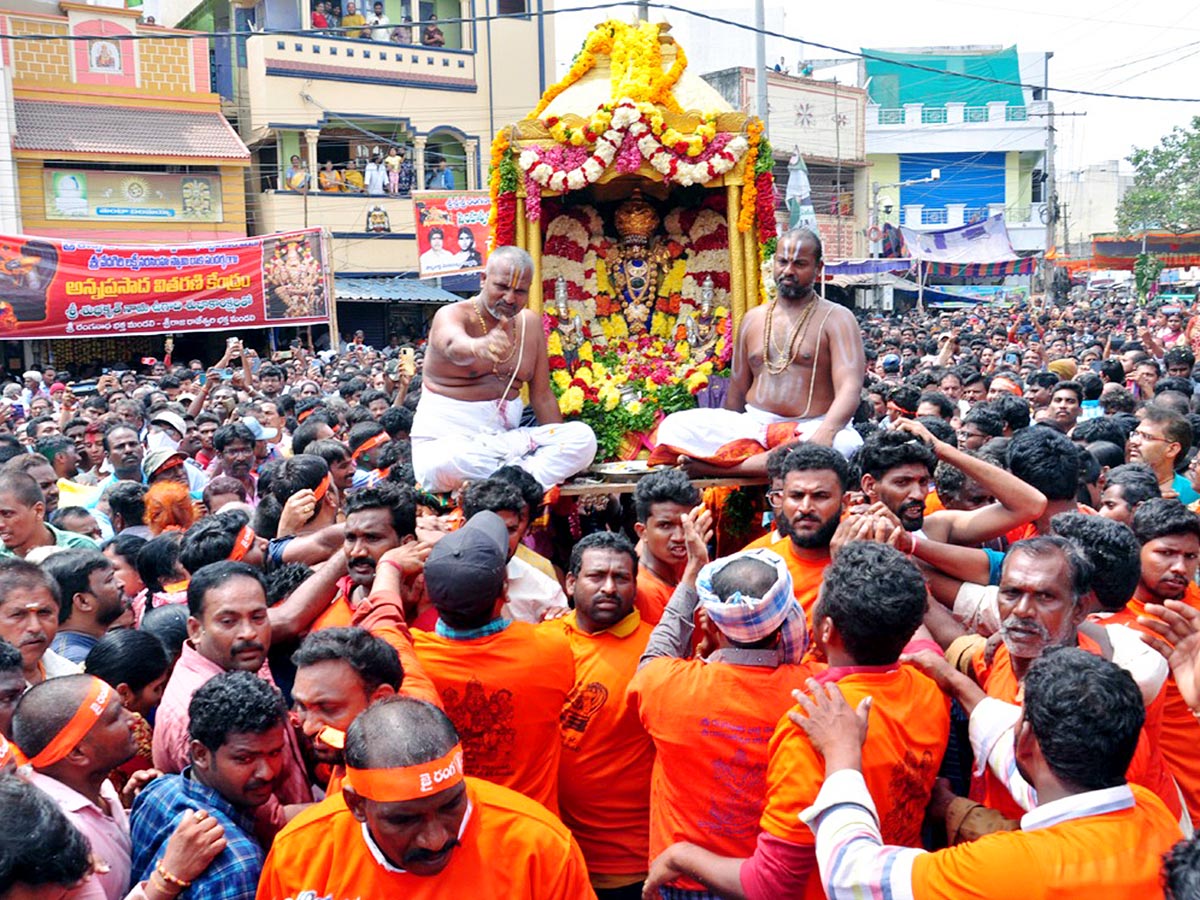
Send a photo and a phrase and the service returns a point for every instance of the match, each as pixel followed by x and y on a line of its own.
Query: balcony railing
pixel 955 214
pixel 915 114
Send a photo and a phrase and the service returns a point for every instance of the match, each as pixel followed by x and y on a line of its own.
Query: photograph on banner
pixel 62 289
pixel 293 276
pixel 452 231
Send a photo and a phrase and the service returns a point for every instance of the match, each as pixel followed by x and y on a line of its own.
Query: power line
pixel 850 54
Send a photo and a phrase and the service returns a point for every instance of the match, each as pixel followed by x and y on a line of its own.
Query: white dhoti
pixel 722 436
pixel 463 440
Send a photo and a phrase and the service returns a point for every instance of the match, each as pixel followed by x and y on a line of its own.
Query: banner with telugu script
pixel 64 289
pixel 452 231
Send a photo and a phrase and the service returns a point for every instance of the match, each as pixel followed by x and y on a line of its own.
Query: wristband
pixel 169 878
pixel 915 538
pixel 395 565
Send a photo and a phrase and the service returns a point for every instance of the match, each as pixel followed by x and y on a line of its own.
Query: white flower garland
pixel 628 119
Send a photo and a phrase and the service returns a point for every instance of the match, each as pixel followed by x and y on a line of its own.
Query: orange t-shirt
pixel 711 723
pixel 604 771
pixel 807 575
pixel 1115 855
pixel 1147 768
pixel 653 595
pixel 504 693
pixel 512 848
pixel 766 541
pixel 383 616
pixel 906 739
pixel 933 503
pixel 1180 735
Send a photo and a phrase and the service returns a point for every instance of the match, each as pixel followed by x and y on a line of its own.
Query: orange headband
pixel 331 737
pixel 370 444
pixel 321 489
pixel 308 412
pixel 1006 384
pixel 170 464
pixel 245 540
pixel 895 407
pixel 73 732
pixel 403 783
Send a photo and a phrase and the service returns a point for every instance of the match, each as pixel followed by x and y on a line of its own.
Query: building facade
pixel 824 122
pixel 316 108
pixel 984 135
pixel 1090 198
pixel 112 134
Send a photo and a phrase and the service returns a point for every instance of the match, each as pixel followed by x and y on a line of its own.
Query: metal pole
pixel 643 13
pixel 760 63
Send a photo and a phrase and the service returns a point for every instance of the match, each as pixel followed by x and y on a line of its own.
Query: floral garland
pixel 690 144
pixel 600 40
pixel 560 169
pixel 764 184
pixel 754 130
pixel 503 177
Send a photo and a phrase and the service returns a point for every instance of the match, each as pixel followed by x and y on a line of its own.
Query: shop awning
pixel 390 290
pixel 43 125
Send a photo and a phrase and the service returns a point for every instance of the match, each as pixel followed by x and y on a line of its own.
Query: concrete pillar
pixel 912 214
pixel 472 149
pixel 912 113
pixel 954 113
pixel 419 151
pixel 310 142
pixel 956 214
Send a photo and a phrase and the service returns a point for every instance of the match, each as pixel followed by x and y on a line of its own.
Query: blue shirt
pixel 156 812
pixel 73 645
pixel 1183 488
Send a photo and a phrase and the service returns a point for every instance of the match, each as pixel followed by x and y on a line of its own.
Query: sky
pixel 1114 46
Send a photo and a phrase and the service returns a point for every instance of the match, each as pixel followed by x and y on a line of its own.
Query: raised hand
pixel 1178 627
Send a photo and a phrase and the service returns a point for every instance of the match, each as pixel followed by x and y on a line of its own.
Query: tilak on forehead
pixel 790 245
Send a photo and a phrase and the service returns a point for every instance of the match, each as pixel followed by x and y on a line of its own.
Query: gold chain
pixel 774 367
pixel 483 325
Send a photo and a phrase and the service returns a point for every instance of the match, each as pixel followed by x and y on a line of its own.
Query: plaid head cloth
pixel 745 619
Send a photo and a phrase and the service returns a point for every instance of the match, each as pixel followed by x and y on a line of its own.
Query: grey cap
pixel 466 568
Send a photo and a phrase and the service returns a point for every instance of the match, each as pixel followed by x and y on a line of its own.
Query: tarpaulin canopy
pixel 1111 251
pixel 865 267
pixel 894 80
pixel 980 243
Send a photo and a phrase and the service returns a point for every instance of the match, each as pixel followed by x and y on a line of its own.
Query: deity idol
pixel 570 323
pixel 702 328
pixel 638 264
pixel 296 277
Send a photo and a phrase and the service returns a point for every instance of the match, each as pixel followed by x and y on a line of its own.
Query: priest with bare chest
pixel 798 369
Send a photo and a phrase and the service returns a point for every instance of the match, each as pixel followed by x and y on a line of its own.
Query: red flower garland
pixel 765 211
pixel 506 219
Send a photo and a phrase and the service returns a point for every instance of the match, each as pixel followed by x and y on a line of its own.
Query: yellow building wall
pixel 885 169
pixel 40 62
pixel 1012 178
pixel 165 66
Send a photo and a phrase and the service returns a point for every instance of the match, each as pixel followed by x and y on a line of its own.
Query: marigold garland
pixel 754 130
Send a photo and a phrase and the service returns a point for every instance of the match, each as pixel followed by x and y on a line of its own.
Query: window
pixel 512 7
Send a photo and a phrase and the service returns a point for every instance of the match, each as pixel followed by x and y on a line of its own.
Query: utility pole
pixel 760 63
pixel 643 10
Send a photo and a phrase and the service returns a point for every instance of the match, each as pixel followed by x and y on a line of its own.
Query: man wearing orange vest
pixel 1042 586
pixel 711 719
pixel 661 500
pixel 1170 537
pixel 1091 835
pixel 815 481
pixel 503 683
pixel 604 774
pixel 408 823
pixel 871 603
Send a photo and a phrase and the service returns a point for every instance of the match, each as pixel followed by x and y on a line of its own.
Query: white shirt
pixel 530 592
pixel 380 27
pixel 375 177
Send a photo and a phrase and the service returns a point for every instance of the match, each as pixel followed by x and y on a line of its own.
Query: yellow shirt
pixel 348 22
pixel 354 181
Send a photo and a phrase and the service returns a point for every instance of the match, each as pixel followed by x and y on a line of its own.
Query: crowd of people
pixel 319 627
pixel 328 16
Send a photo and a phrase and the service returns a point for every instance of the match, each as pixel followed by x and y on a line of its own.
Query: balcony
pixel 1026 224
pixel 355 248
pixel 956 127
pixel 318 56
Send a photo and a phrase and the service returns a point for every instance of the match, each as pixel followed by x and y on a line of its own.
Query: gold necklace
pixel 774 367
pixel 483 325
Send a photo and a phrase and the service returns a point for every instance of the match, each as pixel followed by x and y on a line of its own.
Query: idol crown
pixel 636 220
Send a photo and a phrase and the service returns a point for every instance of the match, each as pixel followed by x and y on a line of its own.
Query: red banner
pixel 62 289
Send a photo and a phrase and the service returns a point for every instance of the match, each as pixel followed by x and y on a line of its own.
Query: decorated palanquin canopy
pixel 648 205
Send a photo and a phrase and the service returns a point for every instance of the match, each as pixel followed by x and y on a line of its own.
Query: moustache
pixel 243 646
pixel 1015 625
pixel 419 855
pixel 364 562
pixel 911 506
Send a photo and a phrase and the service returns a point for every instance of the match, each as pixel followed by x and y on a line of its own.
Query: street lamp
pixel 876 187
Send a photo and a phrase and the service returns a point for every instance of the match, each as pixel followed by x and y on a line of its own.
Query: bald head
pixel 398 731
pixel 753 577
pixel 46 709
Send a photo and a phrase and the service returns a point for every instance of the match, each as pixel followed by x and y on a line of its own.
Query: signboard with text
pixel 62 289
pixel 452 231
pixel 131 196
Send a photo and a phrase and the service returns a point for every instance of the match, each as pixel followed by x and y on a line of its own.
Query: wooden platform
pixel 628 487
